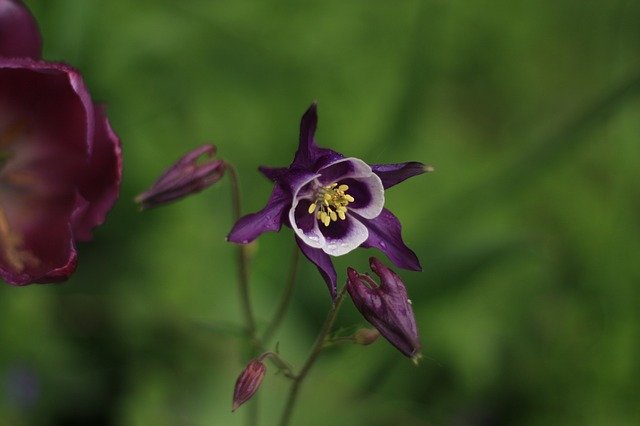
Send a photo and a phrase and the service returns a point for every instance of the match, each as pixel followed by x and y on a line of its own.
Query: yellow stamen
pixel 331 203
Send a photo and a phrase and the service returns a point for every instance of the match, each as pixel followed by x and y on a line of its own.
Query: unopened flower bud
pixel 386 306
pixel 248 382
pixel 366 336
pixel 185 177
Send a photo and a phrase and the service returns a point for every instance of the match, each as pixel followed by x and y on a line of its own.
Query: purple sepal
pixel 19 33
pixel 386 306
pixel 185 177
pixel 270 218
pixel 393 174
pixel 307 148
pixel 385 234
pixel 273 173
pixel 324 265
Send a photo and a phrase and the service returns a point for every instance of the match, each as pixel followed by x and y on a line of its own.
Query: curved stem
pixel 285 299
pixel 243 263
pixel 243 281
pixel 313 356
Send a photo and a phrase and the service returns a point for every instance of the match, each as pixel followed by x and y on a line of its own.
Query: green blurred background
pixel 528 231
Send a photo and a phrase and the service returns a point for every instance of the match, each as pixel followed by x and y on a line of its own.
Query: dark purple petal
pixel 187 176
pixel 393 174
pixel 385 234
pixel 325 158
pixel 270 218
pixel 323 263
pixel 19 34
pixel 273 173
pixel 100 186
pixel 304 221
pixel 47 105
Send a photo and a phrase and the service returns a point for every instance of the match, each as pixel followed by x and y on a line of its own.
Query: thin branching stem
pixel 294 390
pixel 243 264
pixel 243 284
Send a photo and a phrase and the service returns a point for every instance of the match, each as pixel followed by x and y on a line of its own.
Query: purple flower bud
pixel 248 382
pixel 386 306
pixel 187 176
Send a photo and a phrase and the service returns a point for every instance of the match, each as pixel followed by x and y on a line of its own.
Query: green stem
pixel 243 264
pixel 313 356
pixel 285 299
pixel 243 280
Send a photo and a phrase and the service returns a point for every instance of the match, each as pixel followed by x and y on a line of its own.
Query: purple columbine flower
pixel 333 203
pixel 248 382
pixel 386 306
pixel 60 161
pixel 187 176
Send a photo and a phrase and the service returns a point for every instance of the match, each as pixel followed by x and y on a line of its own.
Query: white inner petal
pixel 373 209
pixel 358 234
pixel 312 237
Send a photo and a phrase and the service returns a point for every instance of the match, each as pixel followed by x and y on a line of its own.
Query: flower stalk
pixel 285 299
pixel 319 344
pixel 243 264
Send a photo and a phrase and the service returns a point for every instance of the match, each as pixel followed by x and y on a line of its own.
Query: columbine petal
pixel 324 265
pixel 39 182
pixel 393 174
pixel 385 234
pixel 19 34
pixel 59 159
pixel 364 185
pixel 100 186
pixel 304 224
pixel 270 218
pixel 343 236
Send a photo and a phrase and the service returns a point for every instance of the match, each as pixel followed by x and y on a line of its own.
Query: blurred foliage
pixel 528 230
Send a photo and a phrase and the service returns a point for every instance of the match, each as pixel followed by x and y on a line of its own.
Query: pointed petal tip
pixel 428 168
pixel 312 110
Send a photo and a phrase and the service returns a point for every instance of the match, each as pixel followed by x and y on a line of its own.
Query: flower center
pixel 7 136
pixel 331 203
